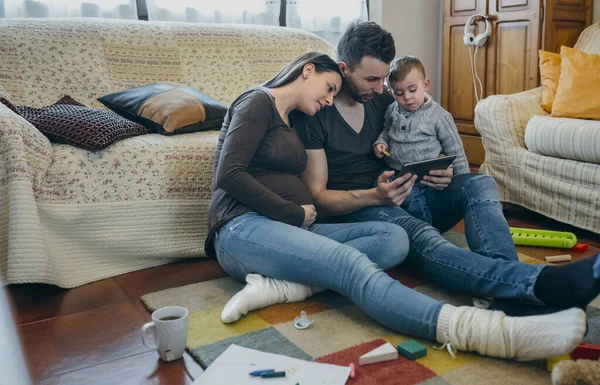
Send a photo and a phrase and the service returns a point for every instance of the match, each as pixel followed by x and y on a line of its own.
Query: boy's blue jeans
pixel 416 203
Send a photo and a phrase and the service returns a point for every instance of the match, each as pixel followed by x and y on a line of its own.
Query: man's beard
pixel 360 98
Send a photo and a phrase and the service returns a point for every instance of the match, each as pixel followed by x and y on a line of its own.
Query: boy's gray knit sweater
pixel 413 136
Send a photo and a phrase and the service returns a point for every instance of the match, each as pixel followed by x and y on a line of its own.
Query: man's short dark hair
pixel 402 66
pixel 365 38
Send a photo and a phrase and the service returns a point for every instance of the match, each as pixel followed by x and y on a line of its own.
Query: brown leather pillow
pixel 69 122
pixel 167 108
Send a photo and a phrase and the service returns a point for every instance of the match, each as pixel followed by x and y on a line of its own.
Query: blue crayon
pixel 257 373
pixel 273 374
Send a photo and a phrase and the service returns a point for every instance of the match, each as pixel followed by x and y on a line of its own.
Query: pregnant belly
pixel 287 186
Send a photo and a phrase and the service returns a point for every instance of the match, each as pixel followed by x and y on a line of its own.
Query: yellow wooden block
pixel 205 327
pixel 551 361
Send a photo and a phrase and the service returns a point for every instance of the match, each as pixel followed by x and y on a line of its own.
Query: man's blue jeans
pixel 491 268
pixel 347 258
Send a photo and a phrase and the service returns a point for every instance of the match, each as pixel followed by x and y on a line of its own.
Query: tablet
pixel 423 167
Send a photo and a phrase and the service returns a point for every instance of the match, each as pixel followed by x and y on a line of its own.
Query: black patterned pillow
pixel 69 122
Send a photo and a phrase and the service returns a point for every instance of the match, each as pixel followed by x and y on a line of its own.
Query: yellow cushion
pixel 578 95
pixel 549 73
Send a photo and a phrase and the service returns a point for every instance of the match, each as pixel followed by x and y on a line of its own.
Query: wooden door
pixel 563 21
pixel 513 46
pixel 506 64
pixel 458 95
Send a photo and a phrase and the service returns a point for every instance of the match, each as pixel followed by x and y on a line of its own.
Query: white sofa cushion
pixel 575 139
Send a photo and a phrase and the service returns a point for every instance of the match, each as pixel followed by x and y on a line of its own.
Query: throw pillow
pixel 578 95
pixel 549 74
pixel 167 108
pixel 70 122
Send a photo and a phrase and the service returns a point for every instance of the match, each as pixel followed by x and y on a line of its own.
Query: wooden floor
pixel 91 334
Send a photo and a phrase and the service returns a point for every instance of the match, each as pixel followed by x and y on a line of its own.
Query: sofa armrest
pixel 25 153
pixel 501 119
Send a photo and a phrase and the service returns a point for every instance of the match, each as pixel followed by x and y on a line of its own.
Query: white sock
pixel 493 333
pixel 261 292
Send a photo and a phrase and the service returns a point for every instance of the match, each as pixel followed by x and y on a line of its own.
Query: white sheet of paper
pixel 235 364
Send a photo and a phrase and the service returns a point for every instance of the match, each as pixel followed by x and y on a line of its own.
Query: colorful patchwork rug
pixel 342 333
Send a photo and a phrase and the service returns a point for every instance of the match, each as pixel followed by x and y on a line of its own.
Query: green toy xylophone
pixel 533 237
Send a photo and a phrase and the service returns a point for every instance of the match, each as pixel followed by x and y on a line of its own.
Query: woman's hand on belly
pixel 310 214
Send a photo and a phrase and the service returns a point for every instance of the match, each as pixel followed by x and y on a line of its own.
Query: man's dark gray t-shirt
pixel 350 158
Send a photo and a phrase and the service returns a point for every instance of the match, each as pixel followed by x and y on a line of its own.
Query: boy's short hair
pixel 365 38
pixel 402 66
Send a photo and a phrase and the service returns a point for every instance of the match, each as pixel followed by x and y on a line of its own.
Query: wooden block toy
pixel 586 351
pixel 551 361
pixel 412 350
pixel 385 352
pixel 580 247
pixel 558 258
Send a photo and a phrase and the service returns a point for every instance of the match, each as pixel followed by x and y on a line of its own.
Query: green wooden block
pixel 412 350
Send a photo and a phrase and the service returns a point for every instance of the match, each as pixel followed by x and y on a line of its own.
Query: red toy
pixel 586 351
pixel 580 247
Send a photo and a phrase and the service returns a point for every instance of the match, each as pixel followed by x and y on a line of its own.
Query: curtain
pixel 324 15
pixel 115 9
pixel 216 11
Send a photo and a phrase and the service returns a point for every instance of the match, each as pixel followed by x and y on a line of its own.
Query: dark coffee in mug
pixel 167 333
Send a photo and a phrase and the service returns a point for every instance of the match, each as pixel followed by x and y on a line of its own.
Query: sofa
pixel 545 164
pixel 70 216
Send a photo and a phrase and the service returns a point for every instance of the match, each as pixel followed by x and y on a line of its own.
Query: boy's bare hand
pixel 379 150
pixel 396 191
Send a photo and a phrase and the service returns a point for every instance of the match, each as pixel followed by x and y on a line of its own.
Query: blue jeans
pixel 491 268
pixel 416 203
pixel 348 258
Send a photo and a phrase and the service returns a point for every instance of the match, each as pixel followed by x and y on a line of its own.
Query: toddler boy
pixel 415 129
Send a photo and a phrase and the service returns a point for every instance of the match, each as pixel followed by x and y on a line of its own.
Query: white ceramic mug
pixel 169 327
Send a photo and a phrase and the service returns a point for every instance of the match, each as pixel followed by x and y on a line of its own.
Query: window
pixel 327 18
pixel 117 9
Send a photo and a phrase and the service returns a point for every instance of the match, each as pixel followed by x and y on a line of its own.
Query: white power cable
pixel 476 74
pixel 473 73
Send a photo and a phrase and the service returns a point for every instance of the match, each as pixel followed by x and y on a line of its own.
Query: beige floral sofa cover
pixel 70 216
pixel 548 165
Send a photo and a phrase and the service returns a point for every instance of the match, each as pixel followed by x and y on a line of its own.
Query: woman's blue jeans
pixel 348 258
